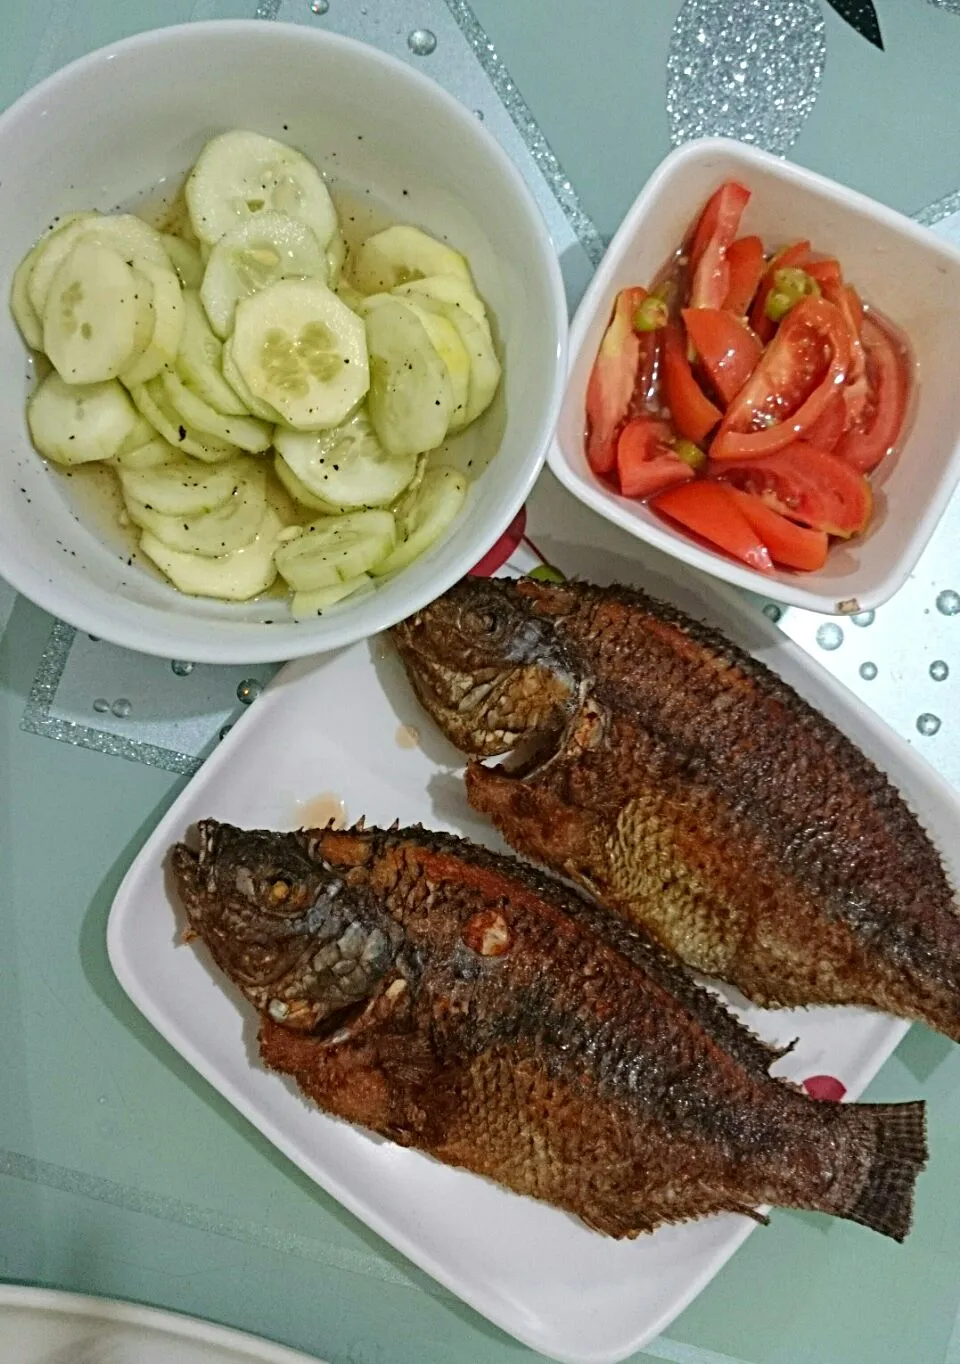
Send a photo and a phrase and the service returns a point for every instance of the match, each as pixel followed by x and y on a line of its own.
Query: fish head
pixel 283 924
pixel 487 666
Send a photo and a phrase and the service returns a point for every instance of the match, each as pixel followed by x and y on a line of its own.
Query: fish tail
pixel 893 1140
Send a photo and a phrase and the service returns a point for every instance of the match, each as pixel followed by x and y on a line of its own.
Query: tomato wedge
pixel 796 255
pixel 612 380
pixel 880 422
pixel 801 369
pixel 694 415
pixel 646 461
pixel 713 236
pixel 747 262
pixel 807 485
pixel 728 350
pixel 826 272
pixel 710 512
pixel 790 545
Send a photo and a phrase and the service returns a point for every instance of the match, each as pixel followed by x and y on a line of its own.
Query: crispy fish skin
pixel 689 788
pixel 511 1027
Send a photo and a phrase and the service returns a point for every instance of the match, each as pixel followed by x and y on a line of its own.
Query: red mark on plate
pixel 498 554
pixel 824 1087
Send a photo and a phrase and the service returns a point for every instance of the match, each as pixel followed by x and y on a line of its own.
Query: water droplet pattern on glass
pixel 422 42
pixel 928 724
pixel 829 636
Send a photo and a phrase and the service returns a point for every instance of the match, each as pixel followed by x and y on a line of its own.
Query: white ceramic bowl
pixel 134 116
pixel 902 269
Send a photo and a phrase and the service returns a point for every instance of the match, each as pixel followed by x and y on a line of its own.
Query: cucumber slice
pixel 185 259
pixel 336 549
pixel 403 253
pixel 24 313
pixel 305 604
pixel 336 255
pixel 448 345
pixel 231 577
pixel 438 501
pixel 199 360
pixel 180 486
pixel 240 174
pixel 166 305
pixel 236 381
pixel 90 318
pixel 79 423
pixel 302 351
pixel 346 467
pixel 446 289
pixel 478 343
pixel 411 393
pixel 298 490
pixel 269 247
pixel 245 432
pixel 152 400
pixel 141 433
pixel 228 527
pixel 132 239
pixel 151 455
pixel 51 251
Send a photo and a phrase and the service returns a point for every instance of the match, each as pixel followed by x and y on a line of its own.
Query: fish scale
pixel 705 799
pixel 511 1027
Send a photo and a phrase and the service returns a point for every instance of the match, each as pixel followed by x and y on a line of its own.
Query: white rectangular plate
pixel 333 725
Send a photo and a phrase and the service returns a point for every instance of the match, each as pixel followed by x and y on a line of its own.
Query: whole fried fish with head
pixel 692 790
pixel 462 1003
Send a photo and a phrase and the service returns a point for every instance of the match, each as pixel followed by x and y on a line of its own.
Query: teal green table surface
pixel 121 1172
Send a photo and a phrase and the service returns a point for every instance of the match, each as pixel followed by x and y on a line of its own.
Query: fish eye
pixel 482 622
pixel 280 889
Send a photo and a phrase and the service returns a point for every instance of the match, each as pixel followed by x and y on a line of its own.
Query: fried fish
pixel 691 790
pixel 464 1004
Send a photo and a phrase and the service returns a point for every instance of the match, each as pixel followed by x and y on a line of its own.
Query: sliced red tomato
pixel 612 380
pixel 646 461
pixel 791 545
pixel 710 512
pixel 880 421
pixel 798 254
pixel 807 485
pixel 713 236
pixel 694 415
pixel 825 432
pixel 826 272
pixel 747 263
pixel 728 350
pixel 801 370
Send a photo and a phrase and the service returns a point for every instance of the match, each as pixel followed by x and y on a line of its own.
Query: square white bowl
pixel 902 269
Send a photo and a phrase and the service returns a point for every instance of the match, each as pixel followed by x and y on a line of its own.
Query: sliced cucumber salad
pixel 269 397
